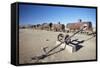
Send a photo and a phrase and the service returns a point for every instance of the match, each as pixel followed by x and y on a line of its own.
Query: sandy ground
pixel 31 43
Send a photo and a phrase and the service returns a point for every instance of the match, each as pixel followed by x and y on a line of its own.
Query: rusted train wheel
pixel 60 37
pixel 67 39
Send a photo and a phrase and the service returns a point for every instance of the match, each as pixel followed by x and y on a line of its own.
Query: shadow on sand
pixel 78 47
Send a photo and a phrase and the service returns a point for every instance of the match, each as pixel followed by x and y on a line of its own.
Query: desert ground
pixel 32 42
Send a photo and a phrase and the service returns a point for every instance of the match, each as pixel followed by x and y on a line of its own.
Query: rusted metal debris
pixel 63 39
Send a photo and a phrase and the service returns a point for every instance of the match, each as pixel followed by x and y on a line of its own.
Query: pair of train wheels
pixel 63 38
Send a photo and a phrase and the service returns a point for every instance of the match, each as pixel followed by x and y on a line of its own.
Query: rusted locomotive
pixel 73 27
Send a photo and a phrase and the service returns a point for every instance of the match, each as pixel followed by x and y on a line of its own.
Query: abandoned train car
pixel 72 27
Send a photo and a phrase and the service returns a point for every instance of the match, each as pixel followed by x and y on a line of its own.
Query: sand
pixel 31 43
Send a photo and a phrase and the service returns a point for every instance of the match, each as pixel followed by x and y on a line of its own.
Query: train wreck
pixel 63 41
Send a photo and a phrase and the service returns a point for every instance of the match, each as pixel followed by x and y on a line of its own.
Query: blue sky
pixel 35 14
